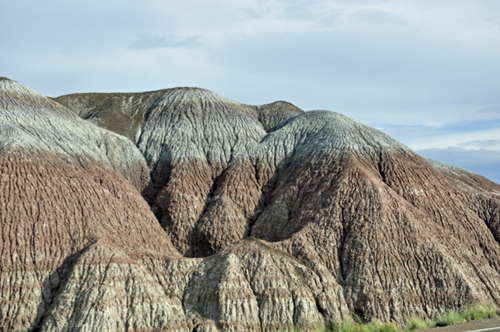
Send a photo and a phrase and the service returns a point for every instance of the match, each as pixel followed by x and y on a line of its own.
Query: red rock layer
pixel 354 222
pixel 397 248
pixel 60 221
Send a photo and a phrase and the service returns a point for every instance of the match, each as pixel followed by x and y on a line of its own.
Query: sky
pixel 426 72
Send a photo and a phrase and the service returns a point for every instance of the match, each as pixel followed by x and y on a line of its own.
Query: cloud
pixel 494 109
pixel 402 132
pixel 483 162
pixel 378 18
pixel 473 134
pixel 149 41
pixel 426 72
pixel 481 144
pixel 410 63
pixel 474 124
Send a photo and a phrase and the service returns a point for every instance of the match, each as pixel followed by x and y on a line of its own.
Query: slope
pixel 395 234
pixel 74 231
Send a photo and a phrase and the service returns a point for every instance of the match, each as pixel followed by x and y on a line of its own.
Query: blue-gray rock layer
pixel 203 214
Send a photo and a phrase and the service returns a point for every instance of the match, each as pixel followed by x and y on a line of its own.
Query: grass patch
pixel 376 326
pixel 450 318
pixel 478 311
pixel 474 311
pixel 415 323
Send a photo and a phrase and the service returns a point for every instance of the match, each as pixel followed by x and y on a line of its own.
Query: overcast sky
pixel 426 72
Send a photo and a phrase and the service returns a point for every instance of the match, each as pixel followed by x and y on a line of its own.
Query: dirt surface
pixel 471 326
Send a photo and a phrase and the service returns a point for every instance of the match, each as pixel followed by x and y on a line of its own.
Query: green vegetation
pixel 449 318
pixel 478 311
pixel 376 326
pixel 417 324
pixel 475 311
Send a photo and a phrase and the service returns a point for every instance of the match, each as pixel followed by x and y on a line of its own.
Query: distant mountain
pixel 202 214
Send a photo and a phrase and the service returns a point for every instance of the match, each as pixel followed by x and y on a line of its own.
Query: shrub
pixel 415 323
pixel 450 318
pixel 378 326
pixel 478 311
pixel 475 311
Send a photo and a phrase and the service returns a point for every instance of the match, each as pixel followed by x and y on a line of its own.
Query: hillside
pixel 180 209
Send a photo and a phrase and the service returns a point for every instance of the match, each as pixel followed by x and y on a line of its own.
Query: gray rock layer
pixel 285 219
pixel 74 231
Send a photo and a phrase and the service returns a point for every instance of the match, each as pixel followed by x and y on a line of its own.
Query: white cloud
pixel 149 41
pixel 481 144
pixel 412 68
pixel 458 138
pixel 379 17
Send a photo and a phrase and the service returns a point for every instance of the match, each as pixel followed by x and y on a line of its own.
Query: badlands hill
pixel 181 210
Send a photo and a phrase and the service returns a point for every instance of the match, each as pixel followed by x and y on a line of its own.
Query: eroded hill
pixel 207 214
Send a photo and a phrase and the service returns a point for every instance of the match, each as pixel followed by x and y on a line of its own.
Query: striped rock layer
pixel 182 210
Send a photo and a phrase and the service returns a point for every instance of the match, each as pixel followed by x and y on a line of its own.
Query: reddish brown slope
pixel 385 233
pixel 73 230
pixel 81 250
pixel 400 237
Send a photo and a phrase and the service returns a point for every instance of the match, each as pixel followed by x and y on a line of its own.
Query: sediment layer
pixel 203 214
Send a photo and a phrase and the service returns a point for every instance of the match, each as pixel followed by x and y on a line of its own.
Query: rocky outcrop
pixel 215 215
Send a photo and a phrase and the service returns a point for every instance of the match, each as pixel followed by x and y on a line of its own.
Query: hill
pixel 206 214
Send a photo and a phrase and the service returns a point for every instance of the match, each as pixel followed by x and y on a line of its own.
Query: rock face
pixel 207 214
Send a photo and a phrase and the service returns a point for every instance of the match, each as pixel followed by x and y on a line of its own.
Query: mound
pixel 401 235
pixel 78 240
pixel 284 218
